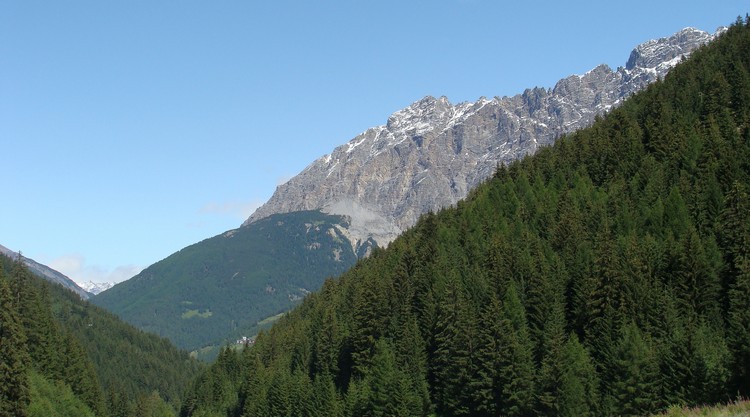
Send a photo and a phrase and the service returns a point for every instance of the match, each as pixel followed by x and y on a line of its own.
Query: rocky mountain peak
pixel 655 52
pixel 423 114
pixel 431 153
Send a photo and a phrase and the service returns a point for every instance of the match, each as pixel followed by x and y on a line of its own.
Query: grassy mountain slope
pixel 226 284
pixel 606 275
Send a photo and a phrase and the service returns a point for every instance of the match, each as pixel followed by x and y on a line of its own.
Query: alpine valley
pixel 363 195
pixel 606 275
pixel 582 250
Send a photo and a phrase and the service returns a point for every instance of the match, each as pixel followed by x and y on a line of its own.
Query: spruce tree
pixel 710 365
pixel 325 401
pixel 634 373
pixel 450 365
pixel 390 393
pixel 735 241
pixel 486 387
pixel 516 371
pixel 14 389
pixel 549 383
pixel 253 391
pixel 578 393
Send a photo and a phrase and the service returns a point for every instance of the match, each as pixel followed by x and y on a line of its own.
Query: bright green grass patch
pixel 735 409
pixel 269 320
pixel 197 313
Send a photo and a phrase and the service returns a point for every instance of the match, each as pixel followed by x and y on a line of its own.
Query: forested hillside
pixel 224 286
pixel 607 275
pixel 61 356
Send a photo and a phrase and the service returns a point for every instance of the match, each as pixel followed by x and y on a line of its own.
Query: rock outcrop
pixel 430 154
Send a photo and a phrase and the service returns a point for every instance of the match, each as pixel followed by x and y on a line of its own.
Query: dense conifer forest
pixel 606 275
pixel 61 356
pixel 218 288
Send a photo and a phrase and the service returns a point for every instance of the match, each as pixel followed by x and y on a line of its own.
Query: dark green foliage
pixel 80 359
pixel 634 371
pixel 516 371
pixel 487 386
pixel 14 386
pixel 224 286
pixel 391 393
pixel 608 275
pixel 125 359
pixel 578 392
pixel 451 355
pixel 54 399
pixel 735 238
pixel 78 371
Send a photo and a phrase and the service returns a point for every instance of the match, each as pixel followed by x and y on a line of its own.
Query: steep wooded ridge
pixel 47 273
pixel 607 275
pixel 61 356
pixel 430 154
pixel 225 285
pixel 427 156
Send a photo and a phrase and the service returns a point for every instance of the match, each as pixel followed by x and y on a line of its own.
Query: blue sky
pixel 131 129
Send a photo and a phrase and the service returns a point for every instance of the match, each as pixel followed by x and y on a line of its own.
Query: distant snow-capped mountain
pixel 430 154
pixel 96 287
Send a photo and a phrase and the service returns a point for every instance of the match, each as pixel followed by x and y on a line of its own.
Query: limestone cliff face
pixel 430 154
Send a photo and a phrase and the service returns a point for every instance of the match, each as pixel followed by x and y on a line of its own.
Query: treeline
pixel 61 356
pixel 606 275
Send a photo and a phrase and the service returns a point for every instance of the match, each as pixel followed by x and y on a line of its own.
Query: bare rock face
pixel 430 154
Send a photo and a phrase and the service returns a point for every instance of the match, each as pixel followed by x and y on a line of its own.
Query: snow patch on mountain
pixel 430 154
pixel 96 287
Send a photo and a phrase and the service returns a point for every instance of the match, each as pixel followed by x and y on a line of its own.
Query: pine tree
pixel 327 346
pixel 735 241
pixel 516 371
pixel 673 352
pixel 635 371
pixel 486 387
pixel 14 389
pixel 325 401
pixel 254 388
pixel 370 312
pixel 578 394
pixel 279 401
pixel 710 365
pixel 357 400
pixel 390 393
pixel 301 394
pixel 411 358
pixel 450 365
pixel 549 384
pixel 79 373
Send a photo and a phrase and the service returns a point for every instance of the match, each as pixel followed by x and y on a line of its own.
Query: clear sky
pixel 131 129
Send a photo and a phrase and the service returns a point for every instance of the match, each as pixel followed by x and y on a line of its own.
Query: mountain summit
pixel 427 156
pixel 430 154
